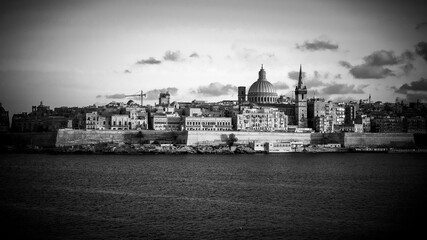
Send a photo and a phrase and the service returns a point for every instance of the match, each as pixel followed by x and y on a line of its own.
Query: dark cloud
pixel 421 49
pixel 295 75
pixel 127 71
pixel 216 89
pixel 420 85
pixel 337 88
pixel 374 66
pixel 151 60
pixel 116 96
pixel 345 64
pixel 366 71
pixel 317 45
pixel 382 58
pixel 280 85
pixel 421 25
pixel 154 94
pixel 173 56
pixel 194 55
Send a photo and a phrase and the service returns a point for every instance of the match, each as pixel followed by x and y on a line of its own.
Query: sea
pixel 247 196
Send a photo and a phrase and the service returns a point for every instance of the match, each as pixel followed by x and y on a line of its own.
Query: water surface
pixel 292 196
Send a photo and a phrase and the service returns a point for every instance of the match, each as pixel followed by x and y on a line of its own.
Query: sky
pixel 79 53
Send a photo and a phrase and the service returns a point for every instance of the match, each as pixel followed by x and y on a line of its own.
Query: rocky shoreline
pixel 112 148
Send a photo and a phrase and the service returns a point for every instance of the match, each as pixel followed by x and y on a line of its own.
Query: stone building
pixel 200 123
pixel 265 119
pixel 163 121
pixel 4 119
pixel 119 122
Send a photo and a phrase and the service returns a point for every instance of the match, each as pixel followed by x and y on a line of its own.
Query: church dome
pixel 262 91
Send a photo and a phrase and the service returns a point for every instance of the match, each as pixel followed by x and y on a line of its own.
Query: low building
pixel 119 122
pixel 208 123
pixel 265 119
pixel 169 122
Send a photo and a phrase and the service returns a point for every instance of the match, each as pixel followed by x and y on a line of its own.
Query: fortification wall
pixel 41 139
pixel 81 137
pixel 325 138
pixel 216 138
pixel 379 140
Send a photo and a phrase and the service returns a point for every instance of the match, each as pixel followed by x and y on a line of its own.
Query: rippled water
pixel 288 196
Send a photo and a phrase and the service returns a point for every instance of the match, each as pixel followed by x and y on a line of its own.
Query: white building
pixel 265 119
pixel 96 122
pixel 208 123
pixel 119 122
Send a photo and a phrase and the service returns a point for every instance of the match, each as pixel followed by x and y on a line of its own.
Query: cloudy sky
pixel 78 53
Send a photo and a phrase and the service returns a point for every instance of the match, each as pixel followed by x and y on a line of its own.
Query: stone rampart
pixel 378 140
pixel 217 138
pixel 40 139
pixel 327 138
pixel 81 137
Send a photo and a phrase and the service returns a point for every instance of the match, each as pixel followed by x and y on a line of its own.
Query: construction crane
pixel 141 95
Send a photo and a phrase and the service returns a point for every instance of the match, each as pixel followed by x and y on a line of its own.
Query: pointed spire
pixel 300 77
pixel 262 66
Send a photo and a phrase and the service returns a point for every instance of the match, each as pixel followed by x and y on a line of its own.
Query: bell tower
pixel 301 102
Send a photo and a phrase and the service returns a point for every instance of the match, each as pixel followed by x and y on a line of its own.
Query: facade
pixel 265 119
pixel 262 91
pixel 4 119
pixel 96 122
pixel 387 125
pixel 416 125
pixel 138 120
pixel 315 108
pixel 164 99
pixel 166 122
pixel 241 95
pixel 119 122
pixel 301 103
pixel 208 123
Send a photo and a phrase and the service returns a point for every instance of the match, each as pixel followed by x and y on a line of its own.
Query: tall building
pixel 4 119
pixel 164 99
pixel 262 91
pixel 301 102
pixel 241 94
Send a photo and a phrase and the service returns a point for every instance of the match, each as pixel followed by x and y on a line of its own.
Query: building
pixel 4 119
pixel 96 122
pixel 301 103
pixel 119 122
pixel 241 94
pixel 138 119
pixel 164 99
pixel 200 123
pixel 264 119
pixel 315 108
pixel 387 125
pixel 168 122
pixel 416 125
pixel 261 91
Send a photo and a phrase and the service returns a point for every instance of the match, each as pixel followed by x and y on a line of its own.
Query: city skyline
pixel 81 53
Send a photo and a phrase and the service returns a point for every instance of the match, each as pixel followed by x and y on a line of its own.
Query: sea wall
pixel 40 139
pixel 379 140
pixel 68 137
pixel 325 138
pixel 216 138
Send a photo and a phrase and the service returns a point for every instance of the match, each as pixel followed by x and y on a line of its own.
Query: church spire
pixel 262 74
pixel 300 77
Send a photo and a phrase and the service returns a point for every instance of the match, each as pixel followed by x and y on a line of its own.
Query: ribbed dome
pixel 262 91
pixel 262 86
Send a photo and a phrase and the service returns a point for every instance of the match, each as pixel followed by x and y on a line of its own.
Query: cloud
pixel 173 56
pixel 150 60
pixel 365 71
pixel 317 45
pixel 345 64
pixel 127 71
pixel 216 89
pixel 338 88
pixel 421 49
pixel 344 99
pixel 280 85
pixel 252 55
pixel 421 25
pixel 154 94
pixel 294 75
pixel 338 76
pixel 374 65
pixel 98 96
pixel 194 55
pixel 115 96
pixel 420 85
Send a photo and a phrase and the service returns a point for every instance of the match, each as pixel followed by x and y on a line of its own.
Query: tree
pixel 231 140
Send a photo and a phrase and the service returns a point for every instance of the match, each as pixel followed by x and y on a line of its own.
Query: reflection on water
pixel 290 196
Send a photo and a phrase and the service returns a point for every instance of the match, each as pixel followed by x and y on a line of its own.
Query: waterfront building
pixel 119 122
pixel 138 120
pixel 200 123
pixel 264 119
pixel 4 119
pixel 387 125
pixel 262 91
pixel 416 125
pixel 163 121
pixel 96 122
pixel 301 102
pixel 315 108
